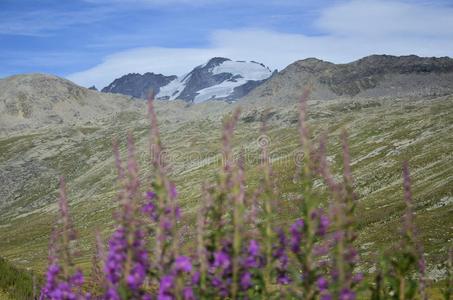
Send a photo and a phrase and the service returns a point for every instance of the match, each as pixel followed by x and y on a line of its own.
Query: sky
pixel 92 42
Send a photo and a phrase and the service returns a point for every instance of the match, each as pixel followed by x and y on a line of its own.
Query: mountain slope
pixel 36 100
pixel 137 85
pixel 370 77
pixel 220 79
pixel 383 133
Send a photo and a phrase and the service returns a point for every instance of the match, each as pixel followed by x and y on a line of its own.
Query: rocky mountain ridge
pixel 36 100
pixel 220 79
pixel 374 76
pixel 137 85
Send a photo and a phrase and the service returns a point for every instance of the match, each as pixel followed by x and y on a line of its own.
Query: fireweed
pixel 240 253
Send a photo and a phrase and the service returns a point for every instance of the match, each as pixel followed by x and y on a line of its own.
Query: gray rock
pixel 137 85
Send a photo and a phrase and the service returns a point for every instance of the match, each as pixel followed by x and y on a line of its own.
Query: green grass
pixel 420 132
pixel 16 283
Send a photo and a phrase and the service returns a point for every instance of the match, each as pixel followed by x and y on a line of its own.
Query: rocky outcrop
pixel 369 77
pixel 219 79
pixel 37 100
pixel 137 85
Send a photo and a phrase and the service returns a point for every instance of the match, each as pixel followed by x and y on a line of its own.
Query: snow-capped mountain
pixel 220 79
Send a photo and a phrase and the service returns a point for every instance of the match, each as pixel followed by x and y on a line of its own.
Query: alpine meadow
pixel 198 150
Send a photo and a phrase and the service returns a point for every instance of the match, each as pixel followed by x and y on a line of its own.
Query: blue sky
pixel 95 41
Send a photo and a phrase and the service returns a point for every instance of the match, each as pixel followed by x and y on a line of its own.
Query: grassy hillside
pixel 16 283
pixel 383 133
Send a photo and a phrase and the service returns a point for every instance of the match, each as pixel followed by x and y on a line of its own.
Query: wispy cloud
pixel 350 29
pixel 384 18
pixel 169 61
pixel 45 21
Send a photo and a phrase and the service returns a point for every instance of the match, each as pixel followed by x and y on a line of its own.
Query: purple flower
pixel 165 288
pixel 167 225
pixel 146 297
pixel 221 260
pixel 322 283
pixel 254 248
pixel 326 296
pixel 347 294
pixel 281 258
pixel 116 256
pixel 283 279
pixel 183 264
pixel 77 279
pixel 188 293
pixel 150 195
pixel 253 259
pixel 281 246
pixel 196 278
pixel 177 213
pixel 61 290
pixel 296 231
pixel 323 225
pixel 246 280
pixel 216 282
pixel 119 249
pixel 136 277
pixel 357 277
pixel 112 294
pixel 222 286
pixel 338 235
pixel 51 278
pixel 150 209
pixel 173 191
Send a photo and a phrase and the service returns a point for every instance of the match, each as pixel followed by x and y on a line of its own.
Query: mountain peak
pixel 138 85
pixel 219 79
pixel 35 100
pixel 371 76
pixel 215 61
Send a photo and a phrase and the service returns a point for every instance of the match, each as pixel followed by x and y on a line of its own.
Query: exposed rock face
pixel 371 76
pixel 369 72
pixel 202 77
pixel 36 100
pixel 137 85
pixel 220 79
pixel 93 88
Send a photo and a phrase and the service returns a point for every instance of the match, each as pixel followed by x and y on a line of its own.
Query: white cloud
pixel 384 17
pixel 352 30
pixel 169 61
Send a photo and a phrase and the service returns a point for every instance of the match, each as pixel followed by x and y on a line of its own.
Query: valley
pixel 52 127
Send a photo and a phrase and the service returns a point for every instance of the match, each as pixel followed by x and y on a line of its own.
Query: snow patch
pixel 172 90
pixel 244 71
pixel 248 70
